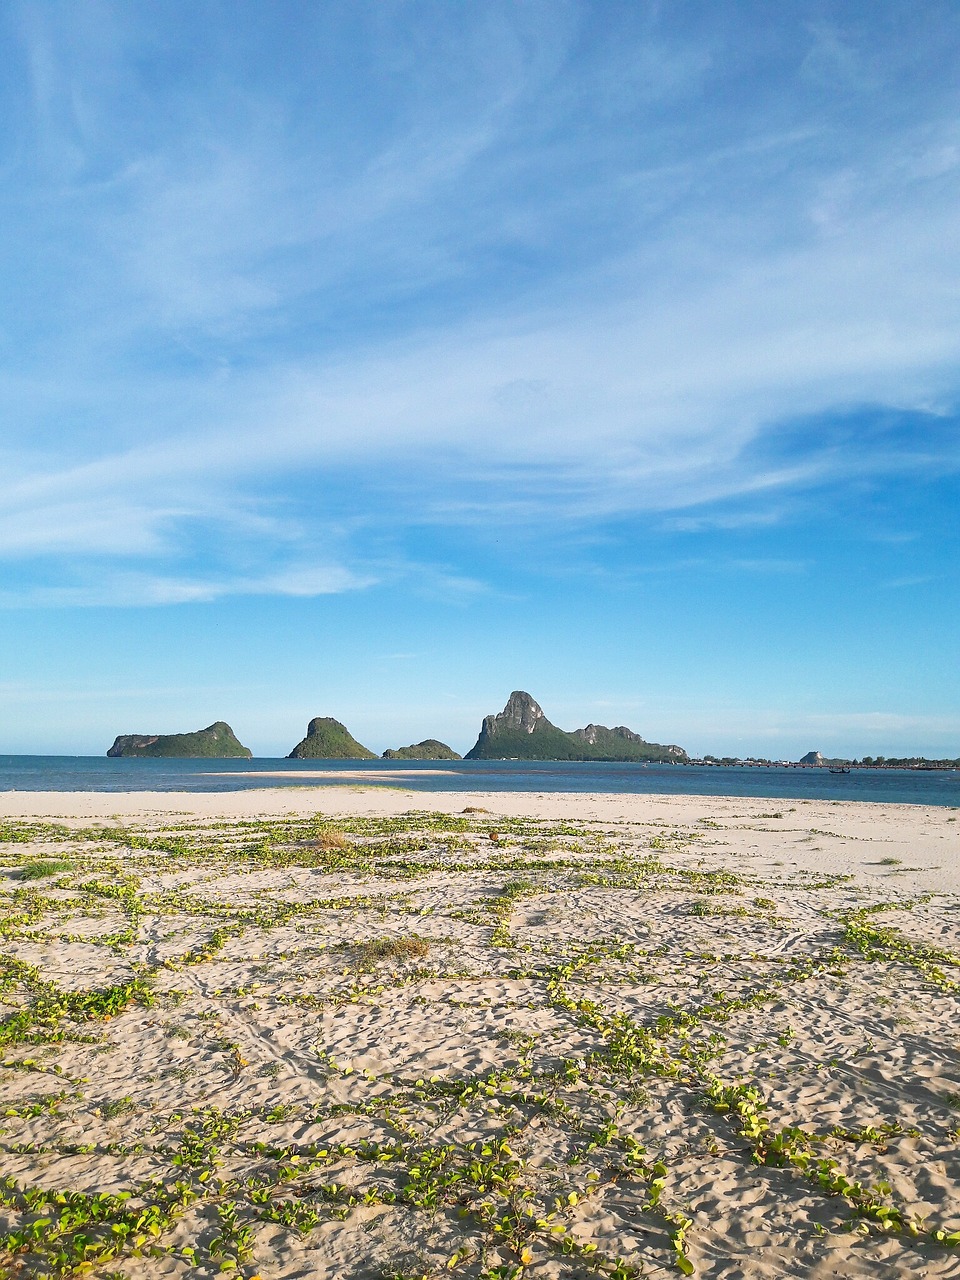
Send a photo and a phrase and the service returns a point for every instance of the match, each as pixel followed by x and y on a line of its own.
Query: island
pixel 521 731
pixel 429 749
pixel 328 739
pixel 217 741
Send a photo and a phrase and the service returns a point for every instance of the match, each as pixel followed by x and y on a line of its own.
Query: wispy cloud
pixel 534 285
pixel 727 520
pixel 885 722
pixel 767 564
pixel 910 580
pixel 143 589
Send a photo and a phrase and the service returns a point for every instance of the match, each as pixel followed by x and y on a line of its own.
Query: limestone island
pixel 522 732
pixel 328 739
pixel 217 741
pixel 429 749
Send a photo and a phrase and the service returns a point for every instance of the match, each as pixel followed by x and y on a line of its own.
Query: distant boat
pixel 841 769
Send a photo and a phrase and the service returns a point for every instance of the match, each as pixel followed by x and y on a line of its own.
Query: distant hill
pixel 522 732
pixel 328 739
pixel 429 749
pixel 622 743
pixel 216 741
pixel 822 761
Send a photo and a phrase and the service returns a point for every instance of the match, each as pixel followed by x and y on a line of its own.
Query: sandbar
pixel 361 774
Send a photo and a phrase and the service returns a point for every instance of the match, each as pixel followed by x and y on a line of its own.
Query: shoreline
pixel 920 842
pixel 919 788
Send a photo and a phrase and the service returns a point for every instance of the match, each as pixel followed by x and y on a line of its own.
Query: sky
pixel 376 359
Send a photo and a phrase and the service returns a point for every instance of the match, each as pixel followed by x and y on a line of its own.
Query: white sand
pixel 585 981
pixel 830 836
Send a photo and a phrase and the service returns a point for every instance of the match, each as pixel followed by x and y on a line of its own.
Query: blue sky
pixel 376 359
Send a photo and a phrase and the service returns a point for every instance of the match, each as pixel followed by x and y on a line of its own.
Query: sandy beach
pixel 359 1032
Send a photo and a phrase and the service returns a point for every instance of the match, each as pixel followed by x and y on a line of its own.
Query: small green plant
pixel 707 907
pixel 117 1107
pixel 377 950
pixel 329 841
pixel 43 867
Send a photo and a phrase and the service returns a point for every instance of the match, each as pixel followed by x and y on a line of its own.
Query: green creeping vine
pixel 40 1020
pixel 502 906
pixel 792 1146
pixel 71 1233
pixel 877 943
pixel 295 924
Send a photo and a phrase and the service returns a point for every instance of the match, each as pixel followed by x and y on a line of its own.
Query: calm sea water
pixel 96 773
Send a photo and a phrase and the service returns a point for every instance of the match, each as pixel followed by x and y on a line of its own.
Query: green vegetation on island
pixel 217 741
pixel 429 749
pixel 522 732
pixel 328 739
pixel 621 743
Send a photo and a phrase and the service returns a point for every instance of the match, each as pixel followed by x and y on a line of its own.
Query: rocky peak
pixel 522 732
pixel 521 714
pixel 594 733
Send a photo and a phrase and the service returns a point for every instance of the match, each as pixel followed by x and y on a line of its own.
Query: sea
pixel 98 773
